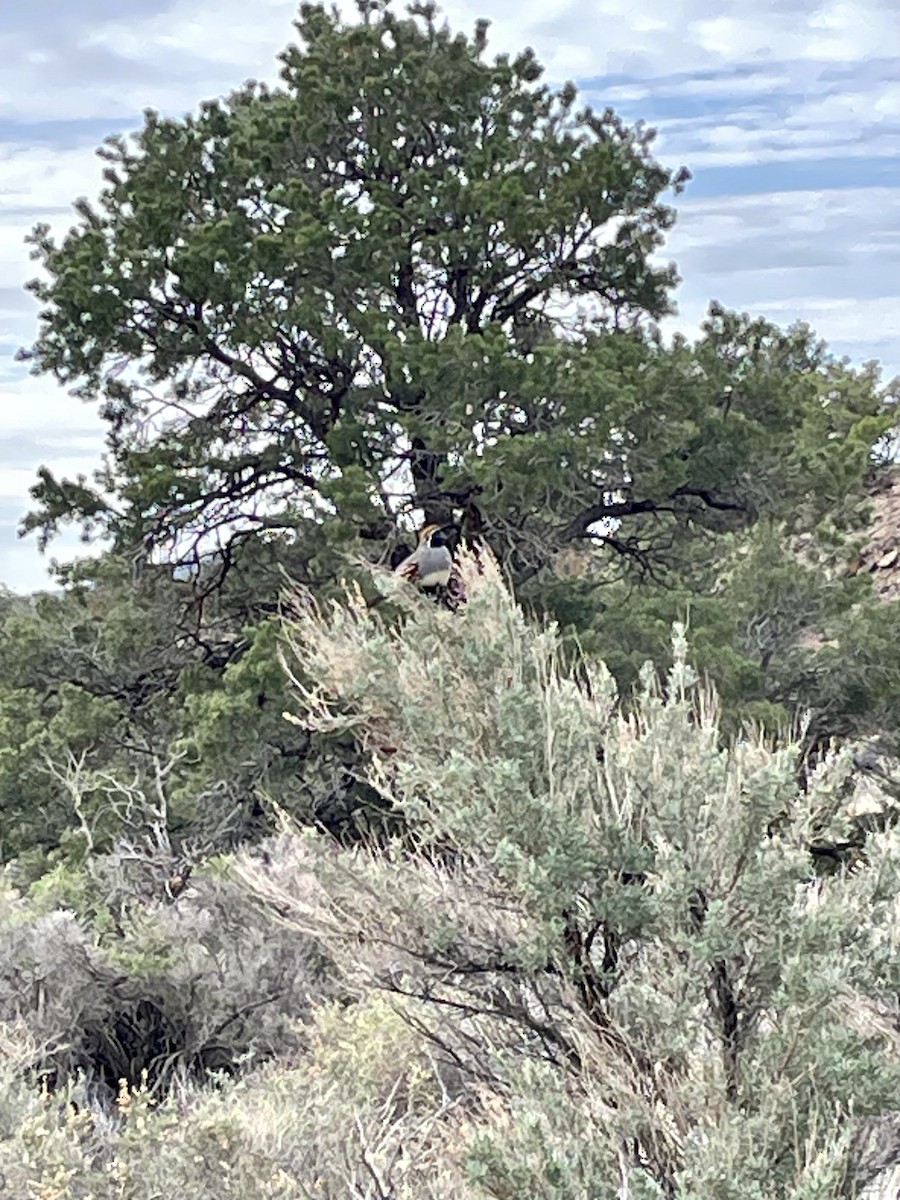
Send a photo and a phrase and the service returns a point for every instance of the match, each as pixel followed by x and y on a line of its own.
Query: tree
pixel 316 314
pixel 411 281
pixel 89 676
pixel 300 267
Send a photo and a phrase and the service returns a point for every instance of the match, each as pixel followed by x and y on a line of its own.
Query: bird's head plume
pixel 427 533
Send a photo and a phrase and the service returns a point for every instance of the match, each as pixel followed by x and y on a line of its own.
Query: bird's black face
pixel 447 535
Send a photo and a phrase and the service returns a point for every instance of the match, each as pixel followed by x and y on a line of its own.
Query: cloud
pixel 38 184
pixel 105 59
pixel 22 566
pixel 36 406
pixel 255 33
pixel 588 37
pixel 39 425
pixel 830 258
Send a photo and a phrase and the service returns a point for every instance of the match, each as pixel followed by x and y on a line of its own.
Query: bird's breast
pixel 436 577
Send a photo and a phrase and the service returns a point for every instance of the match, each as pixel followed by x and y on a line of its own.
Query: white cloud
pixel 836 32
pixel 38 184
pixel 15 481
pixel 850 108
pixel 172 58
pixel 22 566
pixel 45 179
pixel 852 219
pixel 830 258
pixel 855 319
pixel 251 34
pixel 750 135
pixel 165 59
pixel 850 31
pixel 618 34
pixel 39 425
pixel 36 406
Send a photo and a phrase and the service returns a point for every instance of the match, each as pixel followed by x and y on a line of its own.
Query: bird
pixel 429 566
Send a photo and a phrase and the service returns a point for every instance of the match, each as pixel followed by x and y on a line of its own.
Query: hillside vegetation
pixel 586 887
pixel 593 955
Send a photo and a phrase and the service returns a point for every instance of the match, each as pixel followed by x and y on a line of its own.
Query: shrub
pixel 596 960
pixel 191 988
pixel 626 899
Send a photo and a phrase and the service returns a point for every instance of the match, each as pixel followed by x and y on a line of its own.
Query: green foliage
pixel 594 961
pixel 86 709
pixel 340 301
pixel 784 633
pixel 133 710
pixel 556 924
pixel 287 262
pixel 316 313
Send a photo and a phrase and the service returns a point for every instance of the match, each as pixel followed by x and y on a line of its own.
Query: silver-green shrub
pixel 610 894
pixel 187 989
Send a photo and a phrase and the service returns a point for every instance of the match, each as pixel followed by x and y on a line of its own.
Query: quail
pixel 429 565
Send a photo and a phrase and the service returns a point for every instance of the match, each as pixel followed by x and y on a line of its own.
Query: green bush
pixel 621 894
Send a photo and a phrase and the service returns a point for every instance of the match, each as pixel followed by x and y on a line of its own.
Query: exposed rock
pixel 881 556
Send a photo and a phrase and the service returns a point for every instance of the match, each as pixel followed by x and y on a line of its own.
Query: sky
pixel 786 111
